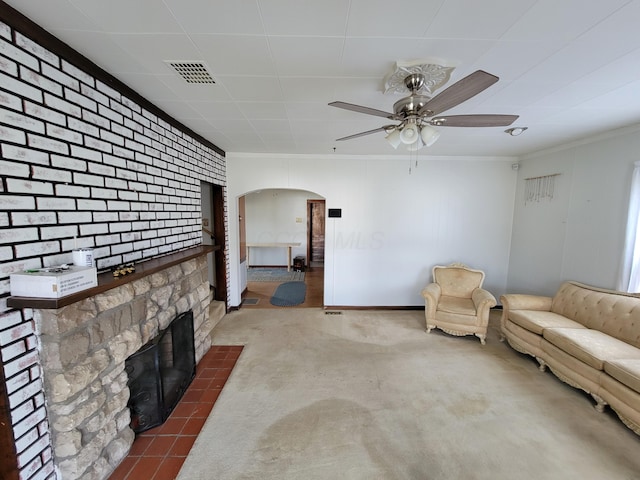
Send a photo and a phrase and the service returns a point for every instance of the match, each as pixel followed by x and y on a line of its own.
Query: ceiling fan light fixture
pixel 409 134
pixel 394 138
pixel 429 135
pixel 515 131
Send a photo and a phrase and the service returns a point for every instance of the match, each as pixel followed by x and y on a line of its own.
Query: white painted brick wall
pixel 82 165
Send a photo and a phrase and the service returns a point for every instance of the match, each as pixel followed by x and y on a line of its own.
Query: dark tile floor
pixel 158 453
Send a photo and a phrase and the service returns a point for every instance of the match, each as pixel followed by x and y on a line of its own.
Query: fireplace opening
pixel 160 372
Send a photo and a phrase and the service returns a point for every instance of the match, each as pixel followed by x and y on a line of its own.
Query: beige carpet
pixel 370 395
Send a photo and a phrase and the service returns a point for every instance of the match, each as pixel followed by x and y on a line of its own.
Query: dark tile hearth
pixel 158 453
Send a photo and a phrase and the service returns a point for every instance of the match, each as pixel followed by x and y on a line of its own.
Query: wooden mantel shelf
pixel 106 280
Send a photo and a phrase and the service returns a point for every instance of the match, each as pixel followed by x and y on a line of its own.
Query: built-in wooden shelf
pixel 106 280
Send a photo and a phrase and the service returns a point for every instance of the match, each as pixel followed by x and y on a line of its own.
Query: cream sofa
pixel 588 337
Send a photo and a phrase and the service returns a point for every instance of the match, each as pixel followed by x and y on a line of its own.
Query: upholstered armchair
pixel 456 303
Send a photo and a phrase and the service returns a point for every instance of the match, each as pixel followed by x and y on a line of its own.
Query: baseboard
pixel 378 307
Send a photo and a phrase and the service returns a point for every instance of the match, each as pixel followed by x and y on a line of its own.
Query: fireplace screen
pixel 160 372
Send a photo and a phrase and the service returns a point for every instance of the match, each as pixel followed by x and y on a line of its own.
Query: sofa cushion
pixel 590 346
pixel 536 321
pixel 626 371
pixel 456 305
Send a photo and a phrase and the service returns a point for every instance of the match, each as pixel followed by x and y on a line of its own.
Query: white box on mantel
pixel 53 282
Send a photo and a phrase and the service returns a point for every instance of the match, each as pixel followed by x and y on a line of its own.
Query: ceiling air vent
pixel 192 72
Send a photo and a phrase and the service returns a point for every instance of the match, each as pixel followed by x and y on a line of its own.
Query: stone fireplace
pixel 84 346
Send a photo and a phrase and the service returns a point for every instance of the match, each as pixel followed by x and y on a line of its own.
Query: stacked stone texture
pixel 83 165
pixel 85 345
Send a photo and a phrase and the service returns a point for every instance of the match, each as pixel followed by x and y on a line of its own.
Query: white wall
pixel 395 224
pixel 579 234
pixel 277 215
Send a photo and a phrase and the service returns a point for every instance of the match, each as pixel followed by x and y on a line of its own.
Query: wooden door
pixel 219 234
pixel 242 229
pixel 315 228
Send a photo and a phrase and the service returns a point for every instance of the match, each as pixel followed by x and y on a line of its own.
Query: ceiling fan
pixel 418 113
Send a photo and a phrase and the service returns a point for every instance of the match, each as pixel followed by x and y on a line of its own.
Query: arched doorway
pixel 285 224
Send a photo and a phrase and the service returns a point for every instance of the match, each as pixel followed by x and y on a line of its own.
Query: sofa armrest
pixel 483 301
pixel 519 301
pixel 431 294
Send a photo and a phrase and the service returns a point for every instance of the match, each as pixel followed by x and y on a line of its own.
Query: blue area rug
pixel 289 294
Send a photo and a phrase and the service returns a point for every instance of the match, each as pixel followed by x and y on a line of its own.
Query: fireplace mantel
pixel 84 340
pixel 106 281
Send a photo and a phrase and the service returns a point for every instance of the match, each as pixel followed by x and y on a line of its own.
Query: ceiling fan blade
pixel 474 120
pixel 462 90
pixel 361 109
pixel 362 134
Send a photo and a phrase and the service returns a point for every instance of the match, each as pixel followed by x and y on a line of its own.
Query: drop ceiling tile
pixel 459 53
pixel 377 56
pixel 307 55
pixel 204 128
pixel 312 128
pixel 191 92
pixel 578 93
pixel 560 21
pixel 617 30
pixel 61 15
pixel 126 16
pixel 204 16
pixel 98 47
pixel 152 50
pixel 264 126
pixel 180 110
pixel 308 89
pixel 304 17
pixel 245 88
pixel 297 111
pixel 271 138
pixel 525 92
pixel 379 18
pixel 535 115
pixel 247 138
pixel 149 86
pixel 489 19
pixel 229 125
pixel 235 54
pixel 572 63
pixel 623 98
pixel 344 127
pixel 218 110
pixel 510 60
pixel 263 110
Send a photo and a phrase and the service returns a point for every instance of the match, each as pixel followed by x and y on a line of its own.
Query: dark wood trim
pixel 106 281
pixel 373 307
pixel 8 455
pixel 220 262
pixel 35 32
